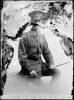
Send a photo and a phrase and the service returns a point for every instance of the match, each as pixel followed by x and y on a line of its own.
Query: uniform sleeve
pixel 22 56
pixel 47 54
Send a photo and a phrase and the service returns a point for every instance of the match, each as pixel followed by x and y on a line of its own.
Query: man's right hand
pixel 33 74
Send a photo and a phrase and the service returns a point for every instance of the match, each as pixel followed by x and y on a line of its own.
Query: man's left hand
pixel 52 67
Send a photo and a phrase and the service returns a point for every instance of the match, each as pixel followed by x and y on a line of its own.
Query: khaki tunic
pixel 31 59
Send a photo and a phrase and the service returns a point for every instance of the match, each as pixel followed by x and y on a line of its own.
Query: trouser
pixel 45 71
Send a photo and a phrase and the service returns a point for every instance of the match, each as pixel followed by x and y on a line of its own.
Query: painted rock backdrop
pixel 60 16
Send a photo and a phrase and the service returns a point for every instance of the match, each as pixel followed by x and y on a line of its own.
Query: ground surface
pixel 59 86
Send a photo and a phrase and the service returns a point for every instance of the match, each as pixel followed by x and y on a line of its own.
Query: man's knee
pixel 49 72
pixel 24 70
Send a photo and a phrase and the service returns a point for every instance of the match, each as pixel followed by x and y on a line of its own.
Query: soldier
pixel 31 46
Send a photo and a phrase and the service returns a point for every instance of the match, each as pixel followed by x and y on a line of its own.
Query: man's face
pixel 34 27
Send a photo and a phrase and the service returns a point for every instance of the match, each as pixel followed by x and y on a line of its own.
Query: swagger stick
pixel 63 64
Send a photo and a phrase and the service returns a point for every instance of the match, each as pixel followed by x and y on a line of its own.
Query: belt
pixel 33 58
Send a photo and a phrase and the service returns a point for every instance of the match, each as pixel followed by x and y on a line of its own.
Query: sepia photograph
pixel 36 49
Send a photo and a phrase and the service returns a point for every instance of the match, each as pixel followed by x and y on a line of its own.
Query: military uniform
pixel 31 46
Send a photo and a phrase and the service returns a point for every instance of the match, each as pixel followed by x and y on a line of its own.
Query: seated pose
pixel 31 46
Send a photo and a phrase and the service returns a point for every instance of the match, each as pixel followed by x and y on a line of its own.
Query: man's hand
pixel 33 74
pixel 52 67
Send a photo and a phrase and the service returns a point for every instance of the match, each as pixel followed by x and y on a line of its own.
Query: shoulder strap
pixel 38 43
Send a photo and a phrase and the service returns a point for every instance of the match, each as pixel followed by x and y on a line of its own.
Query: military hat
pixel 38 15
